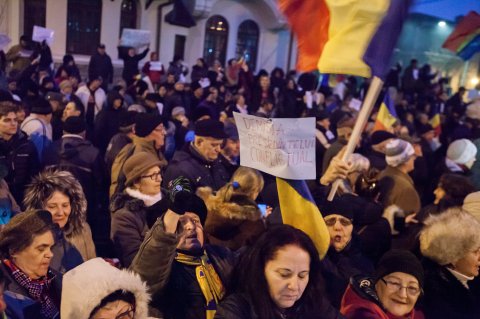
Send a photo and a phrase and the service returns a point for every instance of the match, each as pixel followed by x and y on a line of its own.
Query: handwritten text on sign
pixel 281 147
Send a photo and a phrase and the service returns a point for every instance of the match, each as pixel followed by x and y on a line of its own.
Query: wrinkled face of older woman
pixel 35 259
pixel 340 229
pixel 287 275
pixel 398 292
pixel 59 206
pixel 469 265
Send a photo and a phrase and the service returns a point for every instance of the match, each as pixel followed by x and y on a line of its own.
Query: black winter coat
pixel 190 164
pixel 239 306
pixel 446 297
pixel 130 63
pixel 100 65
pixel 107 123
pixel 19 156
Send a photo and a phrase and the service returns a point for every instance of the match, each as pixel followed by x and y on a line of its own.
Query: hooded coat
pixel 87 285
pixel 107 122
pixel 232 224
pixel 76 232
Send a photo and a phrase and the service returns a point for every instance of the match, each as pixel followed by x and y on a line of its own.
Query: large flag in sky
pixel 387 115
pixel 465 38
pixel 300 211
pixel 345 32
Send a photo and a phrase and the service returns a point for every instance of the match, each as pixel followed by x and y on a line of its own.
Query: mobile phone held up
pixel 263 209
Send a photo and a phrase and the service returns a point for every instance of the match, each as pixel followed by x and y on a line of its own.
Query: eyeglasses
pixel 343 221
pixel 154 176
pixel 129 314
pixel 396 287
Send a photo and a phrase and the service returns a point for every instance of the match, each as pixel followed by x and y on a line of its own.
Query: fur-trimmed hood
pixel 85 286
pixel 240 207
pixel 49 180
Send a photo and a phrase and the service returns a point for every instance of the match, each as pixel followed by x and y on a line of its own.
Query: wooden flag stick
pixel 368 103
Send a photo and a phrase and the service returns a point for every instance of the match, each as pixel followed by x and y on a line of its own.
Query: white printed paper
pixel 355 104
pixel 135 38
pixel 281 147
pixel 41 33
pixel 155 66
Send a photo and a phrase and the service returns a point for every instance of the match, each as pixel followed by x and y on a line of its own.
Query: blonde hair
pixel 245 181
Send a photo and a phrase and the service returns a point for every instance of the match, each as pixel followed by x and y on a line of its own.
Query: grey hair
pixel 448 237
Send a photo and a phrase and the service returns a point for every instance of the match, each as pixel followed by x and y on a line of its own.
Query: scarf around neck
pixel 207 278
pixel 148 200
pixel 37 288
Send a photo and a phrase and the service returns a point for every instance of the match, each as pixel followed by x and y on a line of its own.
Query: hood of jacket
pixel 123 200
pixel 40 188
pixel 70 147
pixel 85 286
pixel 240 207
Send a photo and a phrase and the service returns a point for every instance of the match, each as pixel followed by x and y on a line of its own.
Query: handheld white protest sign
pixel 40 33
pixel 281 147
pixel 135 38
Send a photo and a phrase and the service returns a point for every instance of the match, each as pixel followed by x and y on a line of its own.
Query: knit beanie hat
pixel 127 118
pixel 178 110
pixel 397 260
pixel 137 165
pixel 461 151
pixel 339 206
pixel 74 125
pixel 380 136
pixel 471 204
pixel 398 152
pixel 146 123
pixel 41 106
pixel 210 128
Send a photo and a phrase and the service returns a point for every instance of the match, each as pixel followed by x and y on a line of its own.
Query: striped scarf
pixel 37 288
pixel 208 280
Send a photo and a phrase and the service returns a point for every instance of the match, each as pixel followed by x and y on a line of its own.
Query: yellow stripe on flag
pixel 384 120
pixel 301 213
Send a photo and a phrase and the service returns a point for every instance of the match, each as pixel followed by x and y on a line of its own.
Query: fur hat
pixel 138 164
pixel 17 233
pixel 398 152
pixel 448 237
pixel 85 286
pixel 48 181
pixel 397 260
pixel 461 151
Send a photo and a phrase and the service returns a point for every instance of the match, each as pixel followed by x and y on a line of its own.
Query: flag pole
pixel 365 111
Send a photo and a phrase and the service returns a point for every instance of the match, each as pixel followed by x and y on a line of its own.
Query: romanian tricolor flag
pixel 465 38
pixel 387 116
pixel 300 211
pixel 335 35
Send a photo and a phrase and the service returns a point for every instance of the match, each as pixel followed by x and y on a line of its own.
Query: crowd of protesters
pixel 127 199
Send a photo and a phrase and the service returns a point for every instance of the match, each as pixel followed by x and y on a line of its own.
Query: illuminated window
pixel 83 26
pixel 216 39
pixel 247 42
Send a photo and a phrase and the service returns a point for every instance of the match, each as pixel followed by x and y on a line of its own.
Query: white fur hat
pixel 461 151
pixel 448 237
pixel 85 286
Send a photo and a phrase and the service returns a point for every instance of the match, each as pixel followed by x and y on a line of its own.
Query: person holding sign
pixel 130 62
pixel 154 69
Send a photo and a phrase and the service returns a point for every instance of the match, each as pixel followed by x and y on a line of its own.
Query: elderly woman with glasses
pixel 130 209
pixel 391 294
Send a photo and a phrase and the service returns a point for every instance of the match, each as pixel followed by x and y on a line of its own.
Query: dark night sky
pixel 446 9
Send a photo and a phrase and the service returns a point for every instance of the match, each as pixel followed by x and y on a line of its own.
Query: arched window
pixel 216 39
pixel 84 18
pixel 247 42
pixel 34 13
pixel 128 16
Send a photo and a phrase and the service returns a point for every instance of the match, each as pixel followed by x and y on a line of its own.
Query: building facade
pixel 223 29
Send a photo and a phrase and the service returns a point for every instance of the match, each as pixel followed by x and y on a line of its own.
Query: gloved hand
pixel 180 192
